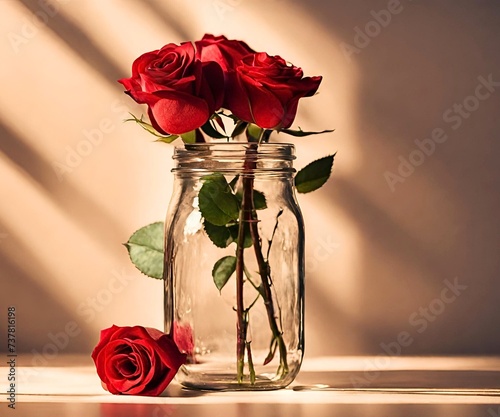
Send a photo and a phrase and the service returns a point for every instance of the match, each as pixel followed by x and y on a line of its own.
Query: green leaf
pixel 301 133
pixel 234 182
pixel 217 203
pixel 239 128
pixel 145 248
pixel 210 131
pixel 219 235
pixel 189 137
pixel 222 271
pixel 272 351
pixel 149 128
pixel 314 175
pixel 259 200
pixel 229 116
pixel 223 236
pixel 233 230
pixel 219 121
pixel 267 135
pixel 167 139
pixel 254 132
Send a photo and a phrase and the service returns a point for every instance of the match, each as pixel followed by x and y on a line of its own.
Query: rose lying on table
pixel 136 360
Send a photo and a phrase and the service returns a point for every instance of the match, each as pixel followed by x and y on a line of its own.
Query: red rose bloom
pixel 226 52
pixel 265 90
pixel 181 91
pixel 136 360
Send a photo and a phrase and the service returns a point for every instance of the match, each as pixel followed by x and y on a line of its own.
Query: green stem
pixel 240 324
pixel 252 219
pixel 251 368
pixel 267 293
pixel 248 215
pixel 250 280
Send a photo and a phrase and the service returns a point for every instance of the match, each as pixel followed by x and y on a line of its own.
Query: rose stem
pixel 268 301
pixel 248 183
pixel 251 369
pixel 240 324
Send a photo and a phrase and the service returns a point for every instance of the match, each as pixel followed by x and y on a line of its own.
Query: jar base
pixel 218 381
pixel 228 382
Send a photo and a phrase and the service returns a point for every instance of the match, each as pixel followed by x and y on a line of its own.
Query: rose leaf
pixel 149 128
pixel 234 182
pixel 222 271
pixel 219 122
pixel 212 132
pixel 254 132
pixel 314 175
pixel 272 351
pixel 216 201
pixel 145 248
pixel 167 139
pixel 259 200
pixel 301 133
pixel 219 235
pixel 189 137
pixel 233 230
pixel 239 128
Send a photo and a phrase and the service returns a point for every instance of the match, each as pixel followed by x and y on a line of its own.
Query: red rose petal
pixel 181 92
pixel 178 113
pixel 269 89
pixel 236 99
pixel 267 110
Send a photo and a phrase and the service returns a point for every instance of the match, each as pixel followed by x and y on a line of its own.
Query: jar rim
pixel 281 150
pixel 234 143
pixel 272 158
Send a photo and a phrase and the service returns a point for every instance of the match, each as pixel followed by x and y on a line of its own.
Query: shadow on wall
pixel 28 160
pixel 57 329
pixel 425 197
pixel 41 314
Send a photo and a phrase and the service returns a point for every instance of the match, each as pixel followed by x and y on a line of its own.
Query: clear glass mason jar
pixel 234 282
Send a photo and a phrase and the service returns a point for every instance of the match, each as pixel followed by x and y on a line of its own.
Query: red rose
pixel 265 90
pixel 227 53
pixel 136 360
pixel 181 91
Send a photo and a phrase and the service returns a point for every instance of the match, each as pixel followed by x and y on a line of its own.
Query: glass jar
pixel 234 266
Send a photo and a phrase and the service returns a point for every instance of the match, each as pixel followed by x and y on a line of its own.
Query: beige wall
pixel 380 252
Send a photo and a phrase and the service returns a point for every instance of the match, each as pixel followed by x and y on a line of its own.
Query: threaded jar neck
pixel 274 159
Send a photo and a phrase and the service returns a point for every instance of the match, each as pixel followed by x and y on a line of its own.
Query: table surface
pixel 68 385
